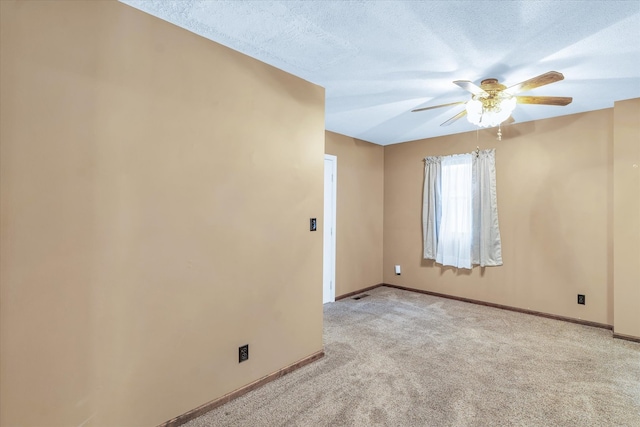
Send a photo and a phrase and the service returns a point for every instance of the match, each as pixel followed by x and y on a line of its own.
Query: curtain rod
pixel 476 152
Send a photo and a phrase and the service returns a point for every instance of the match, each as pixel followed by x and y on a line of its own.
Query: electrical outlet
pixel 312 224
pixel 243 353
pixel 581 299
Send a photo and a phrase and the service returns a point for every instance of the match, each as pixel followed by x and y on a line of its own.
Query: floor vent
pixel 361 296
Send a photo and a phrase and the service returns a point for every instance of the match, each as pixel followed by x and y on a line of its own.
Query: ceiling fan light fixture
pixel 492 102
pixel 489 113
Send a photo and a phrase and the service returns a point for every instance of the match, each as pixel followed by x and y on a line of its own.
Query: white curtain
pixel 459 211
pixel 431 211
pixel 487 246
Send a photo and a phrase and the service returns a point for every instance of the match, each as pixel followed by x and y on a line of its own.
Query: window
pixel 460 216
pixel 454 245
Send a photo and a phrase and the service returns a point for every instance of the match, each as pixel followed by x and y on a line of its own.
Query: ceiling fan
pixel 491 103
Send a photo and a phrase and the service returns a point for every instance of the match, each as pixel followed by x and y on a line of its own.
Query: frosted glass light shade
pixel 479 116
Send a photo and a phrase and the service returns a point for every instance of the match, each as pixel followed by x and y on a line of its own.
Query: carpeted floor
pixel 398 358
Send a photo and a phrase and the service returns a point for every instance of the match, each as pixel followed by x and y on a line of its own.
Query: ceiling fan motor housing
pixel 494 89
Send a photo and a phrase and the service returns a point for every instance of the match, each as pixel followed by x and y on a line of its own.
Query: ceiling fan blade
pixel 541 80
pixel 460 115
pixel 438 106
pixel 544 100
pixel 471 87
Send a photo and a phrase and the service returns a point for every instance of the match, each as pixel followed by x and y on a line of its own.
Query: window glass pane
pixel 454 245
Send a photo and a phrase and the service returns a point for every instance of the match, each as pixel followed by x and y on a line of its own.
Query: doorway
pixel 329 229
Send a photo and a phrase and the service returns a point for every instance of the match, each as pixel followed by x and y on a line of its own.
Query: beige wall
pixel 155 195
pixel 626 217
pixel 554 179
pixel 156 189
pixel 359 212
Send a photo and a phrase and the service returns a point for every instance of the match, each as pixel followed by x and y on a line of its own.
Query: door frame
pixel 332 238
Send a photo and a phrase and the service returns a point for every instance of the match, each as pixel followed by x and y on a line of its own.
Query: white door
pixel 329 229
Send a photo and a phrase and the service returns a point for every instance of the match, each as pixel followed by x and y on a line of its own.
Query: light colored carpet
pixel 398 358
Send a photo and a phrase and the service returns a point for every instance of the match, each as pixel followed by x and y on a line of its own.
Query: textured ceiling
pixel 378 60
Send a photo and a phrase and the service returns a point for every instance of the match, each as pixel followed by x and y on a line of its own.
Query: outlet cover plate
pixel 243 353
pixel 581 299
